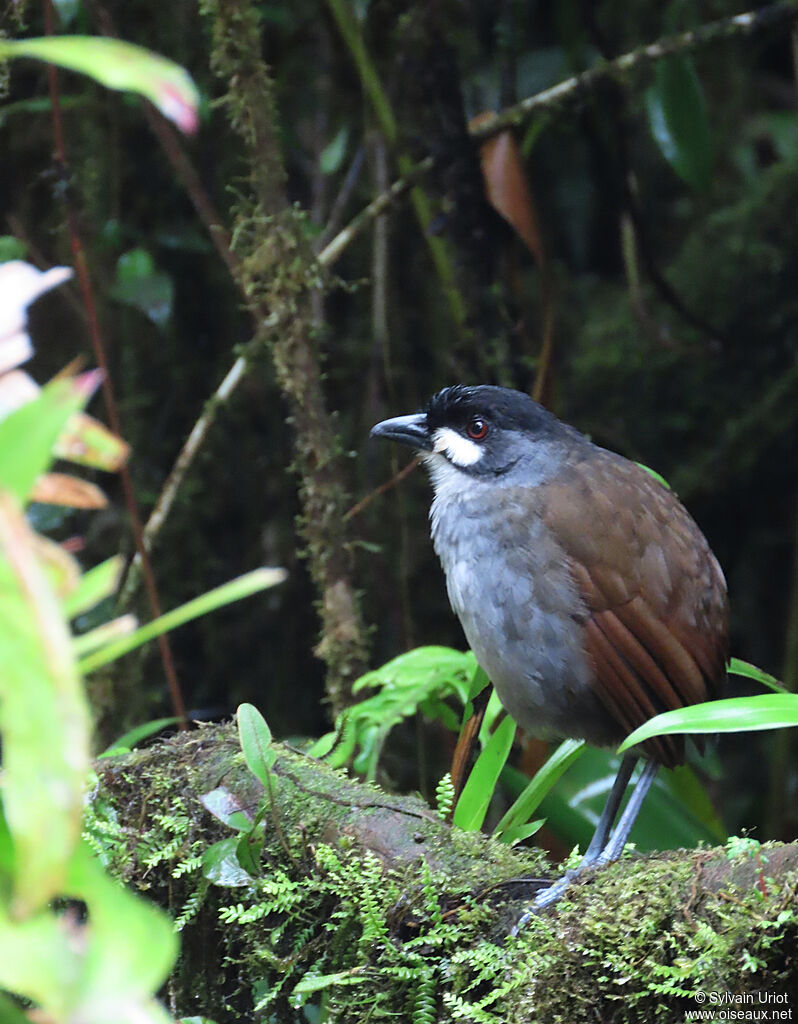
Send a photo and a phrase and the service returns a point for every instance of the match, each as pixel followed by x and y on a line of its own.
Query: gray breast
pixel 508 583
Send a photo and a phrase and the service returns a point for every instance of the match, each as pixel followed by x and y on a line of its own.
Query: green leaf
pixel 132 945
pixel 118 65
pixel 256 742
pixel 101 636
pixel 127 741
pixel 749 671
pixel 737 714
pixel 28 434
pixel 235 590
pixel 221 866
pixel 677 114
pixel 316 982
pixel 95 585
pixel 529 801
pixel 140 285
pixel 518 833
pixel 45 719
pixel 225 806
pixel 675 815
pixel 332 156
pixel 478 790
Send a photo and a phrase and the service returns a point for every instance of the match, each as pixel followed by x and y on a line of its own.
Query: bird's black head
pixel 480 430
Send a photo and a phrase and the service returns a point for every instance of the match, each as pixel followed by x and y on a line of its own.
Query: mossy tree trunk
pixel 369 905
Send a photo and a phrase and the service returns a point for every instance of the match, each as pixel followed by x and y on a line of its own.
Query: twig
pixel 109 399
pixel 741 25
pixel 358 507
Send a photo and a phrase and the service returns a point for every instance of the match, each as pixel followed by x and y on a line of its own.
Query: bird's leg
pixel 603 848
pixel 607 819
pixel 614 847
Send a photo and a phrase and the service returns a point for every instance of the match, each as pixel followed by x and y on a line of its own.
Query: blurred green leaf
pixel 44 711
pixel 256 742
pixel 737 714
pixel 141 285
pixel 104 634
pixel 128 740
pixel 88 442
pixel 95 585
pixel 332 156
pixel 235 590
pixel 118 65
pixel 677 115
pixel 478 790
pixel 528 802
pixel 12 249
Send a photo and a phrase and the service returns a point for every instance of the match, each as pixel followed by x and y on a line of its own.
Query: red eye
pixel 477 428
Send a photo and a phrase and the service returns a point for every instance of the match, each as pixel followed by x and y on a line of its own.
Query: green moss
pixel 348 912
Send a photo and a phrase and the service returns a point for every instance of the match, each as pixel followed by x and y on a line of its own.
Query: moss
pixel 368 904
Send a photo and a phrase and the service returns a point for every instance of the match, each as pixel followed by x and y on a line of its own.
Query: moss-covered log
pixel 370 906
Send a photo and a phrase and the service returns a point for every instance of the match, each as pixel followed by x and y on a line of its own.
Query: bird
pixel 586 591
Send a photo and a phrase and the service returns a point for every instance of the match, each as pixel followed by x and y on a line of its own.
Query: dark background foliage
pixel 675 337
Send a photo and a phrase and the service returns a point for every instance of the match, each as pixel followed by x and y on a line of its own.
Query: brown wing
pixel 657 612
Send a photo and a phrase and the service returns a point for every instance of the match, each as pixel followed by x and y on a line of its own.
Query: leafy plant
pixel 104 962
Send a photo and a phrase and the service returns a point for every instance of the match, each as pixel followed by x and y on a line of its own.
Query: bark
pixel 368 904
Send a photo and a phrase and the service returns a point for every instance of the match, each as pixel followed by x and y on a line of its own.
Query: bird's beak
pixel 411 430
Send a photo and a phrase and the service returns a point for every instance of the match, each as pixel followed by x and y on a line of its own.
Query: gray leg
pixel 600 851
pixel 607 819
pixel 614 847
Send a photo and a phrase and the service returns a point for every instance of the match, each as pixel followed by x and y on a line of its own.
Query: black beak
pixel 411 430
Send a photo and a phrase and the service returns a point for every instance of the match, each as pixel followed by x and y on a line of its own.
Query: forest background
pixel 641 282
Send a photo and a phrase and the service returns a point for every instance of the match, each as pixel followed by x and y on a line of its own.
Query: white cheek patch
pixel 457 449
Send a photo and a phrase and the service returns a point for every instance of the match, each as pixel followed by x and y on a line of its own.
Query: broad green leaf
pixel 94 586
pixel 127 741
pixel 118 65
pixel 45 719
pixel 235 590
pixel 749 671
pixel 28 434
pixel 737 714
pixel 256 742
pixel 675 815
pixel 478 790
pixel 528 802
pixel 677 114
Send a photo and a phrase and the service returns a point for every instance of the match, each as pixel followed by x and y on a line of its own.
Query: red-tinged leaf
pixel 45 719
pixel 87 442
pixel 119 65
pixel 508 190
pixel 28 435
pixel 68 491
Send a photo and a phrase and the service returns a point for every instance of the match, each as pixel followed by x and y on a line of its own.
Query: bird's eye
pixel 477 428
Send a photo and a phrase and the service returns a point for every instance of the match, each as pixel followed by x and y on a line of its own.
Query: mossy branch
pixel 380 902
pixel 276 271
